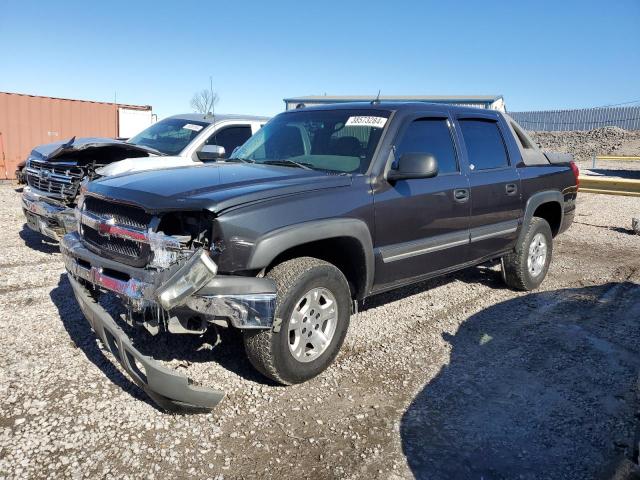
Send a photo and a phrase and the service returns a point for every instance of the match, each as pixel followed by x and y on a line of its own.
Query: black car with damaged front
pixel 320 209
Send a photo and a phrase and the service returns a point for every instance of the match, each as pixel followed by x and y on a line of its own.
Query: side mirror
pixel 414 165
pixel 211 153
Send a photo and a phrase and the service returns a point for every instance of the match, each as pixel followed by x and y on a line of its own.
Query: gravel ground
pixel 457 377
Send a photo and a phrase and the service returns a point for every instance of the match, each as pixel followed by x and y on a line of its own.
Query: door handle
pixel 461 195
pixel 511 188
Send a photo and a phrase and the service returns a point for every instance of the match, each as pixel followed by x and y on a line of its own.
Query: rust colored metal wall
pixel 27 121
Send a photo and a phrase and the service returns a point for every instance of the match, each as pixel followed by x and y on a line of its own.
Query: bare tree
pixel 205 100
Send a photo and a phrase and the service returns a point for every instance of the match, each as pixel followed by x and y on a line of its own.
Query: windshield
pixel 334 140
pixel 169 136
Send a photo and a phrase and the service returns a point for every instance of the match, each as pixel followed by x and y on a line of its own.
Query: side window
pixel 230 138
pixel 485 146
pixel 430 135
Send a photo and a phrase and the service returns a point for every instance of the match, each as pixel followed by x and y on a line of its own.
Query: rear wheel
pixel 312 317
pixel 527 266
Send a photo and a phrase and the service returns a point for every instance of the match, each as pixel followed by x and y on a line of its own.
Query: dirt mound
pixel 583 144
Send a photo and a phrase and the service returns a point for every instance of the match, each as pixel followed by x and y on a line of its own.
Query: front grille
pixel 119 246
pixel 121 214
pixel 59 180
pixel 131 252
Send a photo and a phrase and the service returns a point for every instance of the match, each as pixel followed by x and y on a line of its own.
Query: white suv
pixel 186 139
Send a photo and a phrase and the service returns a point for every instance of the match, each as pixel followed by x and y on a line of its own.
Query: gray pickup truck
pixel 320 209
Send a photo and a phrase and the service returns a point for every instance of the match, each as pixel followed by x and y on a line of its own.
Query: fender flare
pixel 537 199
pixel 272 244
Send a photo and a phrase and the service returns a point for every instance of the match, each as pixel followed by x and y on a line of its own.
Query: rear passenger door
pixel 496 206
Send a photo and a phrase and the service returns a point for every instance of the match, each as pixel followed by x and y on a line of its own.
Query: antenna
pixel 377 99
pixel 213 100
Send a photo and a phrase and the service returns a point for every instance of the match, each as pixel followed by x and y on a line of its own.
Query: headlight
pixel 83 185
pixel 189 278
pixel 78 211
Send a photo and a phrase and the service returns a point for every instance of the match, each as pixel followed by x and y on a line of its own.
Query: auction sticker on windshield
pixel 375 122
pixel 191 126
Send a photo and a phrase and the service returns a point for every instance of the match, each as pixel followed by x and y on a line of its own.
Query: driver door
pixel 422 225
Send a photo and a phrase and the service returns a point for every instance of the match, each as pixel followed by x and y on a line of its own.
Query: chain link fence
pixel 627 118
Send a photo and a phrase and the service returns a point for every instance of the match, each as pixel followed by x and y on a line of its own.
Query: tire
pixel 281 353
pixel 523 269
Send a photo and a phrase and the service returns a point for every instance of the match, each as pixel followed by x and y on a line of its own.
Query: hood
pixel 130 165
pixel 90 147
pixel 214 187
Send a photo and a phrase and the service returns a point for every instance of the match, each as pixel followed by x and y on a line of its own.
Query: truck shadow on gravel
pixel 219 345
pixel 540 386
pixel 625 231
pixel 37 241
pixel 609 172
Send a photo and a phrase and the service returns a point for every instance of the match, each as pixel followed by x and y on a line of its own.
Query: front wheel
pixel 527 266
pixel 312 317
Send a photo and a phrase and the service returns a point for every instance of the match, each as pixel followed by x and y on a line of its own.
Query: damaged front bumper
pixel 168 389
pixel 174 297
pixel 46 216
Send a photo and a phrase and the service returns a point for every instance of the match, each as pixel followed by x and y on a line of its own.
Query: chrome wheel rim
pixel 537 255
pixel 312 324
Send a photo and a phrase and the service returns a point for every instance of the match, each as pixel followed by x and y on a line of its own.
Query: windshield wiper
pixel 288 163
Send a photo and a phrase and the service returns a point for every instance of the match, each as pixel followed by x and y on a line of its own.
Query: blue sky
pixel 544 54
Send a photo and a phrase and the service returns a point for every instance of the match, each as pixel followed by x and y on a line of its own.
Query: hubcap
pixel 312 324
pixel 537 255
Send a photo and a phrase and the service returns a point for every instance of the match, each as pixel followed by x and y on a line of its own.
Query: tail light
pixel 576 173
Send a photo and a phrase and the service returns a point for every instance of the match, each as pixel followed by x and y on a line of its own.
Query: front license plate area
pixel 32 221
pixel 28 205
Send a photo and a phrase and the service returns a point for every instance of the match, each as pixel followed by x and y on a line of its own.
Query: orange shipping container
pixel 27 121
